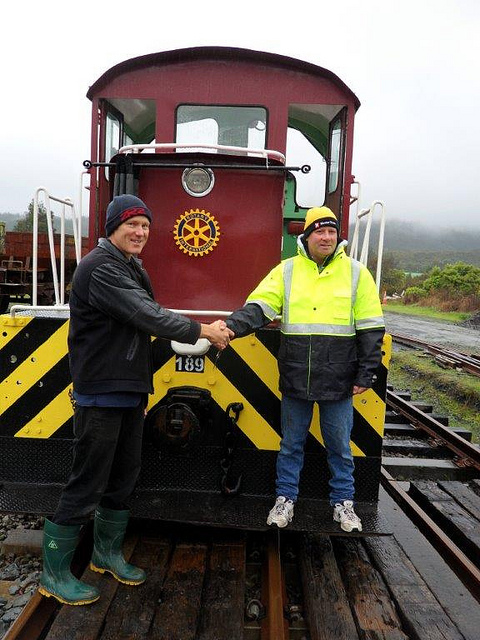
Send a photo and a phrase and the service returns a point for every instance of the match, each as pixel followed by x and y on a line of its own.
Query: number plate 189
pixel 190 364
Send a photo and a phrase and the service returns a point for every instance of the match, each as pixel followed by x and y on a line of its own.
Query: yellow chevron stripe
pixel 260 360
pixel 253 425
pixel 370 405
pixel 386 350
pixel 51 418
pixel 10 327
pixel 316 433
pixel 356 451
pixel 315 425
pixel 372 408
pixel 251 350
pixel 30 371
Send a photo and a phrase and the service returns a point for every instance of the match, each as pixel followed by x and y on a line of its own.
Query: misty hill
pixel 417 248
pixel 413 247
pixel 409 236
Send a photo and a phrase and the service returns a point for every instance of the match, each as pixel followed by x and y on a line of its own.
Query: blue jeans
pixel 336 422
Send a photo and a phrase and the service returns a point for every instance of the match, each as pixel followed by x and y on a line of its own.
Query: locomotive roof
pixel 218 53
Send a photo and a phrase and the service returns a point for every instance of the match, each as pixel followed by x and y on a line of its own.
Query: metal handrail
pixel 66 202
pixel 265 153
pixel 39 307
pixel 366 240
pixel 201 313
pixel 206 313
pixel 185 312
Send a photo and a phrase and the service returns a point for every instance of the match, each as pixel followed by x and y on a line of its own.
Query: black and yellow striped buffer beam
pixel 35 385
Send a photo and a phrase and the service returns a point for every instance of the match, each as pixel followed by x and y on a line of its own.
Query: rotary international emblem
pixel 196 232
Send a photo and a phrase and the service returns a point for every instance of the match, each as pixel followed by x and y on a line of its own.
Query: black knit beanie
pixel 123 207
pixel 318 217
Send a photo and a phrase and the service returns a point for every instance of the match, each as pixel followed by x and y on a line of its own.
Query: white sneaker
pixel 282 512
pixel 343 512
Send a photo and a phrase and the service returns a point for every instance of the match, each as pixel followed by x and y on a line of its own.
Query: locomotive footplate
pixel 241 512
pixel 203 508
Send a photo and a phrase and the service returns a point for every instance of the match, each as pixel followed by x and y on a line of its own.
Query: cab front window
pixel 233 126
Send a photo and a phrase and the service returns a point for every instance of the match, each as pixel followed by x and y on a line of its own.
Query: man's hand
pixel 357 390
pixel 218 333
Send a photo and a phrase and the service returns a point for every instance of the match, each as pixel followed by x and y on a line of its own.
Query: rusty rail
pixel 467 454
pixel 469 363
pixel 274 626
pixel 466 570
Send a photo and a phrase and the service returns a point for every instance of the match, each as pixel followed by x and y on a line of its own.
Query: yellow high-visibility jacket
pixel 331 324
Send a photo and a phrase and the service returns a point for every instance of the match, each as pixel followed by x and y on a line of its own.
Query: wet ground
pixel 466 340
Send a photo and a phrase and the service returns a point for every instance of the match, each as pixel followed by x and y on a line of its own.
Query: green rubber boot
pixel 108 533
pixel 59 543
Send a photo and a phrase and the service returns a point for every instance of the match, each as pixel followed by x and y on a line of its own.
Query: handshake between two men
pixel 217 333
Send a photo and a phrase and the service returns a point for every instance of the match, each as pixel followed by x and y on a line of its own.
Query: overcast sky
pixel 414 65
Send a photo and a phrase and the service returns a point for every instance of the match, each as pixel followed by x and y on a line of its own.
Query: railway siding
pixel 422 615
pixel 457 521
pixel 349 588
pixel 202 584
pixel 326 600
pixel 368 595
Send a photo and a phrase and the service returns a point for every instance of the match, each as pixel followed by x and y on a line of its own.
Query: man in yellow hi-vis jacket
pixel 331 336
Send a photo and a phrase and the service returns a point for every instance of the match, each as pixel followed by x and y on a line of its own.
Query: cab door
pixel 334 197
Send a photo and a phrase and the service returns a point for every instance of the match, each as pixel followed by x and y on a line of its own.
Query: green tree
pixel 393 281
pixel 458 279
pixel 414 294
pixel 25 224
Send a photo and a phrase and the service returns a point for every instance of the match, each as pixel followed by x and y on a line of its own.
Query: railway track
pixel 214 584
pixel 421 424
pixel 275 585
pixel 445 357
pixel 446 511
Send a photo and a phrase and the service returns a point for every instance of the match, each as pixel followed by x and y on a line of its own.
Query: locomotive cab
pixel 228 148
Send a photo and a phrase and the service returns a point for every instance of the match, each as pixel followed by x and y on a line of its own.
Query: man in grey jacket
pixel 112 316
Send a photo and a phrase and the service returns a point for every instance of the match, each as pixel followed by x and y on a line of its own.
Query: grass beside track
pixel 452 393
pixel 426 312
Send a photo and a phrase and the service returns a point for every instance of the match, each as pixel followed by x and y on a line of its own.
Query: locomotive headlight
pixel 198 181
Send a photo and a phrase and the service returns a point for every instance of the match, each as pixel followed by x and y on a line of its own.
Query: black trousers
pixel 106 462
